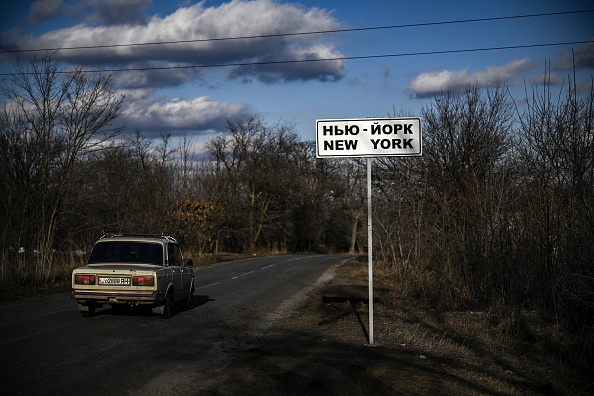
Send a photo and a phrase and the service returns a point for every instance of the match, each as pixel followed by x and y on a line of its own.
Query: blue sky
pixel 197 101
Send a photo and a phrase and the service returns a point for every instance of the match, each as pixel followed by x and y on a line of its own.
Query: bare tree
pixel 68 113
pixel 556 216
pixel 467 139
pixel 352 195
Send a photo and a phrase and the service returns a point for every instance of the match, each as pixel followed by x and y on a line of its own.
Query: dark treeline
pixel 498 212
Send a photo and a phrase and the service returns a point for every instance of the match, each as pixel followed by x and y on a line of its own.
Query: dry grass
pixel 449 352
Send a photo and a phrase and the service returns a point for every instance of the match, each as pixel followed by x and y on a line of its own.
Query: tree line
pixel 497 212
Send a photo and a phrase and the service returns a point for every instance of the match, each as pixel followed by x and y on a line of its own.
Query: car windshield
pixel 127 252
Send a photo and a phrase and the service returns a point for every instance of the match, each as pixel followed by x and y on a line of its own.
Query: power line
pixel 320 60
pixel 300 33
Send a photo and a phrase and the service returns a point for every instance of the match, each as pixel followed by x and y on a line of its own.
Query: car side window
pixel 174 254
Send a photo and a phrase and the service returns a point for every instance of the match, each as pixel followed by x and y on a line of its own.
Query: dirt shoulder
pixel 321 348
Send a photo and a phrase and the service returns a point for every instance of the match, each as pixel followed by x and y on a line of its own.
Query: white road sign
pixel 369 137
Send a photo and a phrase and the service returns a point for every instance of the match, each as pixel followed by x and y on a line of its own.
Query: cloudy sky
pixel 197 63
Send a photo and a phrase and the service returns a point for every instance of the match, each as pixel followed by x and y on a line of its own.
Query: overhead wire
pixel 113 70
pixel 317 60
pixel 422 24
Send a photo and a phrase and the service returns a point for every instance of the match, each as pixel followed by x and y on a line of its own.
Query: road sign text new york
pixel 369 137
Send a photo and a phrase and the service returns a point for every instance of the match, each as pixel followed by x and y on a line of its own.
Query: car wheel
pixel 166 312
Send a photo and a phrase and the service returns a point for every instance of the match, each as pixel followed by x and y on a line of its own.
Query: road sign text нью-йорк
pixel 369 137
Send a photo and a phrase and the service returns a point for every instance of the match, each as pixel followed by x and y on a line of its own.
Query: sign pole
pixel 369 137
pixel 370 249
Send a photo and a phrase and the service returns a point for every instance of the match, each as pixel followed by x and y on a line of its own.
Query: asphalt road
pixel 47 348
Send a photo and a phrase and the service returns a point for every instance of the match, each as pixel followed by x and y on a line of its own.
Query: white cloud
pixel 180 115
pixel 430 83
pixel 294 69
pixel 108 22
pixel 234 19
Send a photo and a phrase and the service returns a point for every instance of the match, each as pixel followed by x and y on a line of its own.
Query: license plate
pixel 113 281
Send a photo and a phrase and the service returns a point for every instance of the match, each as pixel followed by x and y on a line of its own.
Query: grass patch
pixel 440 350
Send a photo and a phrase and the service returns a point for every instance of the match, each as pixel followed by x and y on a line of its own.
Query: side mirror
pixel 188 262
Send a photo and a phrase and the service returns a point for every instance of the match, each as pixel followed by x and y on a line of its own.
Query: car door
pixel 176 266
pixel 187 277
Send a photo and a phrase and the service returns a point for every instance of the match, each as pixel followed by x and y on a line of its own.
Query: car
pixel 134 270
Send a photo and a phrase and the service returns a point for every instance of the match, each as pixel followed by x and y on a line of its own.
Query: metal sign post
pixel 370 249
pixel 369 137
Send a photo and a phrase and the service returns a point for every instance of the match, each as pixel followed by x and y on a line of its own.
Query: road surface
pixel 46 347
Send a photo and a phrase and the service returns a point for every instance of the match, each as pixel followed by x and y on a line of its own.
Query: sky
pixel 365 70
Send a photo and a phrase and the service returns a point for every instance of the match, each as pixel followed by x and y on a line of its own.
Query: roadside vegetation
pixel 418 349
pixel 496 216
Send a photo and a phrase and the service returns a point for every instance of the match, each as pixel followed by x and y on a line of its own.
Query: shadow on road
pixel 126 310
pixel 200 300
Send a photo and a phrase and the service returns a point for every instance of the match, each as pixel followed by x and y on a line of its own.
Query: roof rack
pixel 113 234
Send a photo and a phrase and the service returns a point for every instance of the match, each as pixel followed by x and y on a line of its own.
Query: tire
pixel 164 311
pixel 190 301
